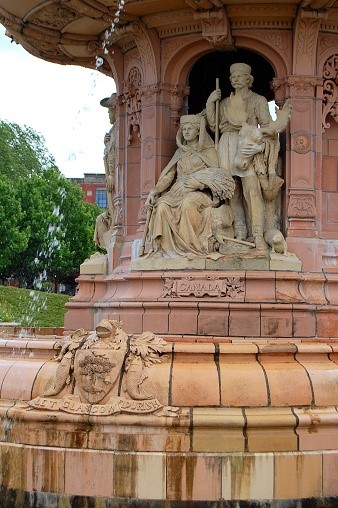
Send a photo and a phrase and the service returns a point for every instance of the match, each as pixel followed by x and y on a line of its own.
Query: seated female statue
pixel 189 188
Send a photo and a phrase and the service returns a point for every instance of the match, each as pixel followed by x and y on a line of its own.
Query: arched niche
pixel 202 81
pixel 203 74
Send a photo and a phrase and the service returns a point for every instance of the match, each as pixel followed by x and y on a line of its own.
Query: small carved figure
pixel 188 190
pixel 105 221
pixel 248 149
pixel 103 225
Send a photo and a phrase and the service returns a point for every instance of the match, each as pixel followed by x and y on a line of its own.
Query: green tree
pixel 13 236
pixel 49 228
pixel 23 151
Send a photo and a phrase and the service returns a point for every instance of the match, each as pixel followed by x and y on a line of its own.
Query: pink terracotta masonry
pixel 199 358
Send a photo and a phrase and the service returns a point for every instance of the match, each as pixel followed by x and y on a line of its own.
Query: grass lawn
pixel 32 308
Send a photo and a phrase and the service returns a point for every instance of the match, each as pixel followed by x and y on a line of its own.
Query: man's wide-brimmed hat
pixel 109 102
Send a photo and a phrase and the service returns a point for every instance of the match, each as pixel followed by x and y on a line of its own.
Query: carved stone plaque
pixel 227 287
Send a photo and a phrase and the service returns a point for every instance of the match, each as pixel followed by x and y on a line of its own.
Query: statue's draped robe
pixel 181 222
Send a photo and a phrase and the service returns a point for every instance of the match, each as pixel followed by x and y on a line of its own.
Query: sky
pixel 61 102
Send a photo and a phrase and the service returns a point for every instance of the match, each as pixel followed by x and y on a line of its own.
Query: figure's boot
pixel 260 243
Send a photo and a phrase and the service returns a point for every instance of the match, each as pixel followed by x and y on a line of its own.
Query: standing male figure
pixel 243 105
pixel 109 151
pixel 105 221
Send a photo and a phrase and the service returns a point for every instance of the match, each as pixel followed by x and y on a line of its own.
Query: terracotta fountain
pixel 198 363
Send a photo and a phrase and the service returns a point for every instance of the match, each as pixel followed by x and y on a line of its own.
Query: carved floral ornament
pixel 302 206
pixel 330 90
pixel 132 97
pixel 101 373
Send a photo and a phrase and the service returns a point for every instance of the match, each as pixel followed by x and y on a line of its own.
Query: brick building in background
pixel 94 188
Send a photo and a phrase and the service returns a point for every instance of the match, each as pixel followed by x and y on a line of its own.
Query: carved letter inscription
pixel 231 288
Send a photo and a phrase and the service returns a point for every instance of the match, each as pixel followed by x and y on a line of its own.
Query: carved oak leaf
pixel 148 347
pixel 145 350
pixel 234 286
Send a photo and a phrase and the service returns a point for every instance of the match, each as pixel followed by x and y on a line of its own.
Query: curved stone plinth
pixel 232 304
pixel 239 421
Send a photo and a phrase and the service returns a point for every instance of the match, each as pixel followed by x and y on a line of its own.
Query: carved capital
pixel 303 86
pixel 94 48
pixel 215 27
pixel 150 94
pixel 177 97
pixel 172 94
pixel 330 90
pixel 281 89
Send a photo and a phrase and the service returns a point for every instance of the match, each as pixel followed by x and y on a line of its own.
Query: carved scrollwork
pixel 330 90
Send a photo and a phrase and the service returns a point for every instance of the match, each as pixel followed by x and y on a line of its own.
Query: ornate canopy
pixel 72 31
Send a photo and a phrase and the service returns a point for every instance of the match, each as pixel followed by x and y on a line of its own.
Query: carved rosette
pixel 301 142
pixel 132 97
pixel 330 90
pixel 302 206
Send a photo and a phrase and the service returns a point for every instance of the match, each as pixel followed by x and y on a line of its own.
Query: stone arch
pixel 278 54
pixel 185 51
pixel 203 74
pixel 263 72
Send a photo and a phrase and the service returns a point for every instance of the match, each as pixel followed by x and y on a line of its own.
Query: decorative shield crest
pixel 96 372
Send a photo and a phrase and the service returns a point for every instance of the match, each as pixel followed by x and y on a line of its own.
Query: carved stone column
pixel 305 150
pixel 304 154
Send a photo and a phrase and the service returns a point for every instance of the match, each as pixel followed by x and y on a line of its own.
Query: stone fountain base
pixel 243 423
pixel 213 305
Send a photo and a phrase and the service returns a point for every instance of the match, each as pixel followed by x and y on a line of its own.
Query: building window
pixel 101 198
pixel 89 193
